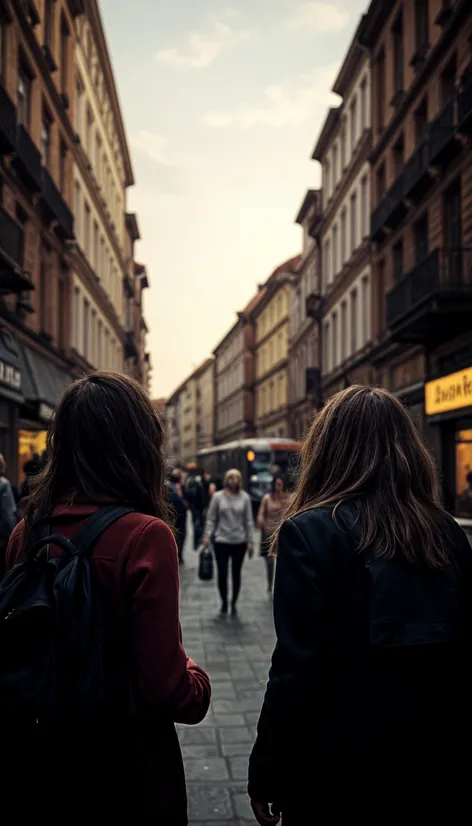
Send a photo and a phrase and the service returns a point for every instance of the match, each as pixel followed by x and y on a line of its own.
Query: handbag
pixel 205 565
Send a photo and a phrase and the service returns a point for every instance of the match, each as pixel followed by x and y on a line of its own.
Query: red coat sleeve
pixel 15 546
pixel 168 680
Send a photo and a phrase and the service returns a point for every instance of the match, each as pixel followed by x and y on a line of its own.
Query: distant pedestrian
pixel 195 494
pixel 269 517
pixel 124 760
pixel 367 710
pixel 230 523
pixel 180 508
pixel 8 512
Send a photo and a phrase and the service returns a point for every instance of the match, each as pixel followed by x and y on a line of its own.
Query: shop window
pixel 464 473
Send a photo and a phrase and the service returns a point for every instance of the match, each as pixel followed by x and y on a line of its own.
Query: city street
pixel 236 653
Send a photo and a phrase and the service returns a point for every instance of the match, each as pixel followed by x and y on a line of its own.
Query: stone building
pixel 37 42
pixel 421 223
pixel 234 377
pixel 205 379
pixel 304 373
pixel 343 149
pixel 272 323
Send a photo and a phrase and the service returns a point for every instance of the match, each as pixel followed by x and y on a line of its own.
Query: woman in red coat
pixel 105 446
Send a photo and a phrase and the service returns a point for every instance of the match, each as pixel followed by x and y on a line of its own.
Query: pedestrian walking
pixel 230 524
pixel 367 710
pixel 8 508
pixel 180 508
pixel 268 519
pixel 194 494
pixel 123 765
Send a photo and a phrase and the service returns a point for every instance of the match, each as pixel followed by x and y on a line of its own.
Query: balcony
pixel 7 123
pixel 12 276
pixel 28 160
pixel 55 206
pixel 416 173
pixel 441 134
pixel 391 209
pixel 131 349
pixel 434 300
pixel 449 7
pixel 314 306
pixel 464 101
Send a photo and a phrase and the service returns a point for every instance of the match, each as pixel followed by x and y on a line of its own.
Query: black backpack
pixel 52 663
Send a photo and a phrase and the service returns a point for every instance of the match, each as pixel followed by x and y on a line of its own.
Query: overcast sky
pixel 222 102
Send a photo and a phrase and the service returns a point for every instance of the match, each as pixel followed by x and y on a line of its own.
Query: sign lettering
pixel 449 393
pixel 10 376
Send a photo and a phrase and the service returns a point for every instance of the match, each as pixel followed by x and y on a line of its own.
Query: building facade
pixel 343 149
pixel 421 223
pixel 234 378
pixel 172 421
pixel 205 379
pixel 272 323
pixel 304 323
pixel 37 42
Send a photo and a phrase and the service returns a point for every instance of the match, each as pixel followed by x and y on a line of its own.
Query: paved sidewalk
pixel 236 653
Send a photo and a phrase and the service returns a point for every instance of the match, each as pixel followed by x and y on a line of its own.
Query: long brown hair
pixel 364 449
pixel 105 443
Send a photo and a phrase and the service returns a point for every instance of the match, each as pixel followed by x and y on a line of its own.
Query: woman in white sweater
pixel 230 524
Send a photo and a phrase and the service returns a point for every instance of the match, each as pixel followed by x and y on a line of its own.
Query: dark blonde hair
pixel 364 449
pixel 105 443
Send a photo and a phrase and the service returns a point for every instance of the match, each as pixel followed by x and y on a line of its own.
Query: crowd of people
pixel 367 704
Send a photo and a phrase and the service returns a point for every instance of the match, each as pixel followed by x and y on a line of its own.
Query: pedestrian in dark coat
pixel 8 510
pixel 105 446
pixel 179 508
pixel 367 711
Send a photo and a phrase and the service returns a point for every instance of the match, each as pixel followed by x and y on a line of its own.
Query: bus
pixel 257 460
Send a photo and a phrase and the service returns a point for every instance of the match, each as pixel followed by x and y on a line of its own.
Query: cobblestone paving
pixel 236 653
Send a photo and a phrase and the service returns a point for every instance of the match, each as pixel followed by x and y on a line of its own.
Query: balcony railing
pixel 131 349
pixel 416 169
pixel 314 306
pixel 444 273
pixel 7 123
pixel 441 132
pixel 56 206
pixel 464 100
pixel 28 160
pixel 12 277
pixel 391 208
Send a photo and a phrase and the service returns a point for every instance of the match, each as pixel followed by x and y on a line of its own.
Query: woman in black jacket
pixel 367 710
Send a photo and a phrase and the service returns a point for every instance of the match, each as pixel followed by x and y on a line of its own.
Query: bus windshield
pixel 261 463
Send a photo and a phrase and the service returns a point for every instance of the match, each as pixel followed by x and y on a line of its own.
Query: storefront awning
pixel 42 383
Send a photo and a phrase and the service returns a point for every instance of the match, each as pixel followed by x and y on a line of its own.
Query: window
pixel 45 138
pixel 421 24
pixel 421 120
pixel 326 348
pixel 43 290
pixel 98 157
pixel 365 309
pixel 79 105
pixel 93 335
pixel 87 230
pixel 343 146
pixel 381 78
pixel 380 182
pixel 353 124
pixel 62 167
pixel 76 322
pixel 327 262
pixel 61 308
pixel 397 255
pixel 48 22
pixel 335 251
pixel 398 154
pixel 344 331
pixel 353 321
pixel 398 55
pixel 335 164
pixel 452 217
pixel 364 123
pixel 99 345
pixel 343 225
pixel 24 96
pixel 327 180
pixel 448 82
pixel 78 211
pixel 334 329
pixel 64 55
pixel 421 232
pixel 364 207
pixel 86 328
pixel 96 249
pixel 353 221
pixel 89 135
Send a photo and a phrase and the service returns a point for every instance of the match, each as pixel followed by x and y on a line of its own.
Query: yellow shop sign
pixel 449 393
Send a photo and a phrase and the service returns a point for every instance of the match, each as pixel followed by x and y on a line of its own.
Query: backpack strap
pixel 83 540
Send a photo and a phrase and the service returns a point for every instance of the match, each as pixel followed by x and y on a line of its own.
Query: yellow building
pixel 272 320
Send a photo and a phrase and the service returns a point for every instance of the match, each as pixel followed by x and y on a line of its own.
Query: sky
pixel 222 101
